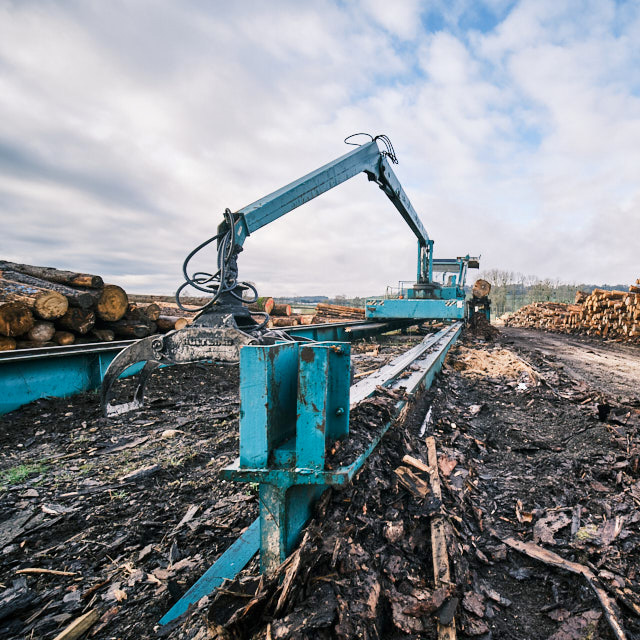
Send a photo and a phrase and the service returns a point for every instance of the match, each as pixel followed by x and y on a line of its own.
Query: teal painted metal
pixel 58 372
pixel 366 158
pixel 427 299
pixel 267 400
pixel 346 331
pixel 275 205
pixel 294 399
pixel 323 400
pixel 228 565
pixel 416 308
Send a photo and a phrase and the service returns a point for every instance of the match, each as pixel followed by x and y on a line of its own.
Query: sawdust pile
pixel 495 363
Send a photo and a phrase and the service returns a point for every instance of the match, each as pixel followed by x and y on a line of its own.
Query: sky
pixel 127 128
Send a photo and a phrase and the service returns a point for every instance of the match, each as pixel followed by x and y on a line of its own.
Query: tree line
pixel 510 290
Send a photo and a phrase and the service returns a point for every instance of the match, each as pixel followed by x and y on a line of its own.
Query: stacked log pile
pixel 608 314
pixel 43 306
pixel 337 313
pixel 172 316
pixel 281 315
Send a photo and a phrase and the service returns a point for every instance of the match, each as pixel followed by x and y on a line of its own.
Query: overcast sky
pixel 126 128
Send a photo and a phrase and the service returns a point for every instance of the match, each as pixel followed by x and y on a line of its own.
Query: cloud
pixel 127 128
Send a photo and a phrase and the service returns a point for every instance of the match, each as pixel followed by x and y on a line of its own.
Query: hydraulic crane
pixel 225 324
pixel 295 392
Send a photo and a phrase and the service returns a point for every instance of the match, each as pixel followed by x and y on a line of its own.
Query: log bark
pixel 280 310
pixel 167 309
pixel 7 344
pixel 71 278
pixel 131 329
pixel 102 335
pixel 151 311
pixel 41 332
pixel 47 305
pixel 142 315
pixel 330 312
pixel 64 338
pixel 33 344
pixel 169 323
pixel 113 303
pixel 76 297
pixel 15 319
pixel 262 304
pixel 481 288
pixel 282 322
pixel 77 320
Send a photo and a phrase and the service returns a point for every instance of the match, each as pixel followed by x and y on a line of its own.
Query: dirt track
pixel 611 367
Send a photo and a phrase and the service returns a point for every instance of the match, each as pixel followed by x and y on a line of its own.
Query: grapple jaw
pixel 214 340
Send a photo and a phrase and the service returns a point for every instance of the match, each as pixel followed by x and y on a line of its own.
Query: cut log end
pixel 16 319
pixel 262 304
pixel 113 303
pixel 64 338
pixel 281 310
pixel 481 288
pixel 41 332
pixel 169 323
pixel 50 305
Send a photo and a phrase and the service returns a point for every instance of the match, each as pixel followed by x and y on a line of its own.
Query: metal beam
pixel 30 374
pixel 394 191
pixel 275 205
pixel 226 567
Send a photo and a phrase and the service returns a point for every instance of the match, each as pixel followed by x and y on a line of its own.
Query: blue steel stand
pixel 294 402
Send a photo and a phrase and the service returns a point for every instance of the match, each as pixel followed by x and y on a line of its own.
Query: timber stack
pixel 174 317
pixel 44 306
pixel 280 315
pixel 608 314
pixel 337 313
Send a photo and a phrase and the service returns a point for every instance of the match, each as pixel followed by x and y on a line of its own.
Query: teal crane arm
pixel 366 158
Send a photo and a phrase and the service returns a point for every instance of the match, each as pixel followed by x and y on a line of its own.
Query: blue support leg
pixel 226 567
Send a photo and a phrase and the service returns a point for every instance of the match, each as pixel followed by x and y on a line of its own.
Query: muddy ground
pixel 534 446
pixel 131 508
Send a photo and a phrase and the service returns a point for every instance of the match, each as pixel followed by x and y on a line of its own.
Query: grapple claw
pixel 141 351
pixel 220 343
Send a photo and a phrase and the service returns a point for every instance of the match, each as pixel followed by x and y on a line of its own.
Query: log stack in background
pixel 44 306
pixel 608 314
pixel 281 315
pixel 337 313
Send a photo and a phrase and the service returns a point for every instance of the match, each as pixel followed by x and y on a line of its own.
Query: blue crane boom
pixel 366 159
